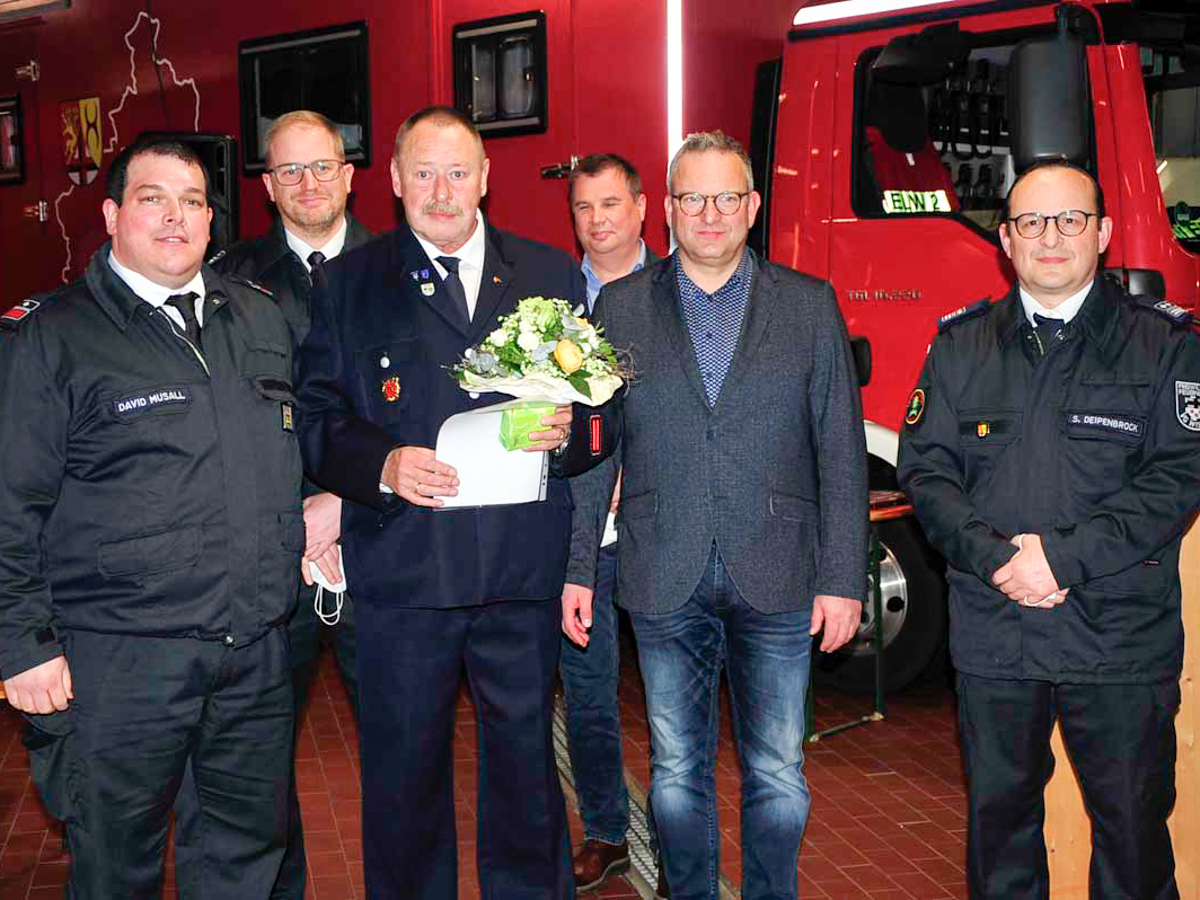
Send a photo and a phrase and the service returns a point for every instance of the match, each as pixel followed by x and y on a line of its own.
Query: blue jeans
pixel 590 676
pixel 767 661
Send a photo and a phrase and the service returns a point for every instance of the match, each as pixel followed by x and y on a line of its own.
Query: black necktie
pixel 315 260
pixel 455 286
pixel 186 304
pixel 1047 329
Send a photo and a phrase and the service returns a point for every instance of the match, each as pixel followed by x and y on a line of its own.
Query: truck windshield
pixel 1173 96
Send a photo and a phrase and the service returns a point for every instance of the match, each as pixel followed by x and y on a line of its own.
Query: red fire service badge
pixel 391 389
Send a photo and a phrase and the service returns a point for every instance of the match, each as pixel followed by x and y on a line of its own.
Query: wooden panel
pixel 1068 832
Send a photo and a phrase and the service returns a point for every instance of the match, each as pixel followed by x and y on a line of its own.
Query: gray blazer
pixel 776 473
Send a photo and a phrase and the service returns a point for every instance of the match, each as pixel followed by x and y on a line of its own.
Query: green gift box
pixel 516 423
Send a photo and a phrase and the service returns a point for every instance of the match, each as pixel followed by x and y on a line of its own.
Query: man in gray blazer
pixel 743 525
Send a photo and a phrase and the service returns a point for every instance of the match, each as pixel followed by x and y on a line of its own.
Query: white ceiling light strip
pixel 849 9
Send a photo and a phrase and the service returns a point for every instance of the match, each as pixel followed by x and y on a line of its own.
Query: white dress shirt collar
pixel 156 294
pixel 303 249
pixel 470 256
pixel 1066 311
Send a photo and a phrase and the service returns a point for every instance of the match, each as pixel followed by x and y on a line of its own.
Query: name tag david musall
pixel 166 399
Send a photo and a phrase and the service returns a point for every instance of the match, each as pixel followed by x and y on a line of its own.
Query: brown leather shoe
pixel 663 890
pixel 596 860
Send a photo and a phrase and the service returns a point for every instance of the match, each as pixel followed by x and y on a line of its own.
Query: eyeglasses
pixel 726 202
pixel 1070 223
pixel 293 173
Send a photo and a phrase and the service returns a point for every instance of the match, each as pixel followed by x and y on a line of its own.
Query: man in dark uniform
pixel 309 181
pixel 608 207
pixel 1049 461
pixel 438 591
pixel 150 527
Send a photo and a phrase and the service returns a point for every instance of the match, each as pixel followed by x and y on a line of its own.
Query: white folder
pixel 488 474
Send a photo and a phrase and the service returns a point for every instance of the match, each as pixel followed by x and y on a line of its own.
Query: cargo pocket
pixel 48 739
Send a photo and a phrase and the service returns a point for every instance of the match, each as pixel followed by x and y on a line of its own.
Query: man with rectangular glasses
pixel 743 522
pixel 309 182
pixel 1051 458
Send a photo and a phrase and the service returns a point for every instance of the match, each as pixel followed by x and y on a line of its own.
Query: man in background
pixel 608 208
pixel 309 181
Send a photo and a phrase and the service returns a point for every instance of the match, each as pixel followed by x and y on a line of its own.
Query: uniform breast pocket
pixel 387 370
pixel 1102 440
pixel 985 437
pixel 267 367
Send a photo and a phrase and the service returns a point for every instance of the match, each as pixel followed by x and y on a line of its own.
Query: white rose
pixel 498 337
pixel 527 341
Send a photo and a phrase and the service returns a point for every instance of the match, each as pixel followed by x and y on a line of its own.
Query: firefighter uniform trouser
pixel 1121 740
pixel 110 766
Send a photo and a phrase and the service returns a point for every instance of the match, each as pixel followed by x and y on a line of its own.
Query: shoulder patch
pixel 1166 309
pixel 12 318
pixel 241 279
pixel 213 259
pixel 963 313
pixel 915 408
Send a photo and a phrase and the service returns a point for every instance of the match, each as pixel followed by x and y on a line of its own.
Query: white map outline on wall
pixel 130 89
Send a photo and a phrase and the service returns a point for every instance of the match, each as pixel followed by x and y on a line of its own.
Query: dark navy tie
pixel 1048 330
pixel 455 287
pixel 186 304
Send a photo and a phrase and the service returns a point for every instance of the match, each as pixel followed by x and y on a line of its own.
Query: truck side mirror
pixel 1049 106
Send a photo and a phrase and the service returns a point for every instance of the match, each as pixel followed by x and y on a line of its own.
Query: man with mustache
pixel 151 525
pixel 1050 459
pixel 440 592
pixel 309 181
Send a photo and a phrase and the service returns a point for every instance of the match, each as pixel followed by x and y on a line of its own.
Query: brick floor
pixel 887 821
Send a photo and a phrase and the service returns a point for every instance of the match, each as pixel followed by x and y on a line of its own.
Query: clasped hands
pixel 1027 578
pixel 417 476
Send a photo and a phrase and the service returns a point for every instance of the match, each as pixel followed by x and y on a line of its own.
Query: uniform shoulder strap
pixel 963 313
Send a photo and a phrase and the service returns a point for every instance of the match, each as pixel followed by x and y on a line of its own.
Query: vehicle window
pixel 1175 122
pixel 936 148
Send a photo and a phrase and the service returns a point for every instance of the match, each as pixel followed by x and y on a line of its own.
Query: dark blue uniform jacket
pixel 141 494
pixel 1095 448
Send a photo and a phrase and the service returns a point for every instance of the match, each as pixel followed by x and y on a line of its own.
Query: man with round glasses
pixel 309 182
pixel 743 522
pixel 1050 459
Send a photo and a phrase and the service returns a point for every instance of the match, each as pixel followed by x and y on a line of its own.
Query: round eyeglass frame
pixel 1029 217
pixel 720 201
pixel 298 173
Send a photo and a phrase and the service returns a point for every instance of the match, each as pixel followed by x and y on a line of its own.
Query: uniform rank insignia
pixel 391 389
pixel 1166 309
pixel 962 314
pixel 1187 404
pixel 213 259
pixel 982 430
pixel 285 409
pixel 13 317
pixel 915 408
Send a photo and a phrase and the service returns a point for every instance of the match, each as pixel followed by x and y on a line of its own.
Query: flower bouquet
pixel 546 353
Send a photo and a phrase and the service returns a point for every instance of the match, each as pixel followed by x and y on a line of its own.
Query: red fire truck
pixel 885 140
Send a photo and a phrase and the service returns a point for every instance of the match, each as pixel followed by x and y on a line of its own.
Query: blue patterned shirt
pixel 715 321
